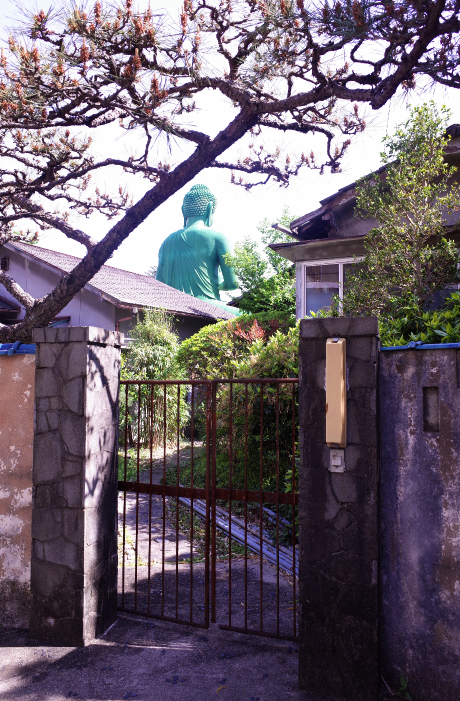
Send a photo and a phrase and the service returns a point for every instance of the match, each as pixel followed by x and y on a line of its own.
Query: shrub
pixel 438 326
pixel 215 350
pixel 242 434
pixel 152 355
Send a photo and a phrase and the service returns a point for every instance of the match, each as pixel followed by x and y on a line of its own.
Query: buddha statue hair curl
pixel 196 202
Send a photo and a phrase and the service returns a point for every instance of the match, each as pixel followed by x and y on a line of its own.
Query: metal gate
pixel 208 503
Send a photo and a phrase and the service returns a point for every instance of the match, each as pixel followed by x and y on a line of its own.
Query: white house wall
pixel 85 309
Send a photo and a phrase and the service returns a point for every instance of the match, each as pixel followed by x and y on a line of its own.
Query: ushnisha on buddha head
pixel 199 203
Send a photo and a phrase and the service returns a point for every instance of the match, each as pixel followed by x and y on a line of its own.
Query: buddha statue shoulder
pixel 192 259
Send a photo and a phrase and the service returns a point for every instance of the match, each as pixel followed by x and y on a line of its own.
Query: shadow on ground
pixel 151 661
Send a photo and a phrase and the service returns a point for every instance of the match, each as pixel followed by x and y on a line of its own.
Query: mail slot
pixel 336 392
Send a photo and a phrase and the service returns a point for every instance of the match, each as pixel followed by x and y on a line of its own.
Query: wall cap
pixel 78 334
pixel 17 348
pixel 347 326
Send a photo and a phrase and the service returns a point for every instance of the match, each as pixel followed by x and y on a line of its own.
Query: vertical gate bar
pixel 293 512
pixel 139 403
pixel 177 499
pixel 230 470
pixel 208 498
pixel 246 506
pixel 192 424
pixel 260 506
pixel 277 508
pixel 124 501
pixel 164 505
pixel 150 499
pixel 213 502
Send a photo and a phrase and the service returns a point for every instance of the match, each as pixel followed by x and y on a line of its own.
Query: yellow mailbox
pixel 336 392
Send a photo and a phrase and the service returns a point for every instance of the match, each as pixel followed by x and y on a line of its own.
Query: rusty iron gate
pixel 208 503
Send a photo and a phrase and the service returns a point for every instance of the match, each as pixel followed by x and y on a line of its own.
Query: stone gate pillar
pixel 338 516
pixel 74 528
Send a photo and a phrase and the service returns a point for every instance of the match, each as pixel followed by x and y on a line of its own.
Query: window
pixel 321 283
pixel 321 280
pixel 5 263
pixel 59 321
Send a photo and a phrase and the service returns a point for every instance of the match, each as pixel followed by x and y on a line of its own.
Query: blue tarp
pixel 418 345
pixel 17 348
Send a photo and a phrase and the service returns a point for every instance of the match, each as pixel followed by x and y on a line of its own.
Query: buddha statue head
pixel 199 203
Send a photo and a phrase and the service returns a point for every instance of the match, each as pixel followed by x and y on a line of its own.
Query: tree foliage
pixel 266 279
pixel 408 259
pixel 271 66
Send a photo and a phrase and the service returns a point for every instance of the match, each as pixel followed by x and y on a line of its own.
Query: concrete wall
pixel 17 378
pixel 74 518
pixel 338 519
pixel 420 521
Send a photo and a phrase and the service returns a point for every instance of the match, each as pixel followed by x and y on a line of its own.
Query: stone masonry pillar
pixel 74 526
pixel 338 516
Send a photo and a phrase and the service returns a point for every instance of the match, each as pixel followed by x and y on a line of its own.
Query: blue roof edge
pixel 17 348
pixel 418 345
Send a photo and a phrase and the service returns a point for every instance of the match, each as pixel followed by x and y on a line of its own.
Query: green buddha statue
pixel 192 259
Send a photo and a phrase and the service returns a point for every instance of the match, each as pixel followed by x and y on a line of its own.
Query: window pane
pixel 346 269
pixel 322 282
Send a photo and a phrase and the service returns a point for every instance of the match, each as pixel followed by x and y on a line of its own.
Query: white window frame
pixel 314 263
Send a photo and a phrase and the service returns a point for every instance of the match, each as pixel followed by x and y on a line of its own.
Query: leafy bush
pixel 153 351
pixel 247 426
pixel 247 417
pixel 215 350
pixel 438 326
pixel 277 357
pixel 152 355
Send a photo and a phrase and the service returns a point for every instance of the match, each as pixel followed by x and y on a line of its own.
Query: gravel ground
pixel 151 661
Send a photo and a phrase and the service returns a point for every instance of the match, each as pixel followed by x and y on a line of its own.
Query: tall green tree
pixel 266 279
pixel 408 257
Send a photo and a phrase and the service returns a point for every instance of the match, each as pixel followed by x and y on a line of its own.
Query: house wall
pixel 187 326
pixel 17 381
pixel 85 309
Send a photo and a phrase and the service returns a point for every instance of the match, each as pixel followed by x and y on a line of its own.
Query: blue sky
pixel 238 211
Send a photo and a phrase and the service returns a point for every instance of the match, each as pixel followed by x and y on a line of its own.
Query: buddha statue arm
pixel 230 281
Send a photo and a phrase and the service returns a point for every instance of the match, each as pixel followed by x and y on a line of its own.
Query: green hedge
pixel 216 350
pixel 436 326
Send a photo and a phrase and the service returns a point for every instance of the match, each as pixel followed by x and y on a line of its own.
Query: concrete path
pixel 151 661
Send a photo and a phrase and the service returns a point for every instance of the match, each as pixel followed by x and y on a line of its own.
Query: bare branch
pixel 38 213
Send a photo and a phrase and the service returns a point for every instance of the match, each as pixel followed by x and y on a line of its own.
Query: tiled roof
pixel 130 289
